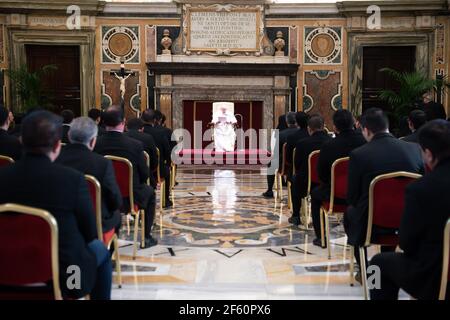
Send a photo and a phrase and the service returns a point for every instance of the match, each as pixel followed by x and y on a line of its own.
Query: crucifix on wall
pixel 122 75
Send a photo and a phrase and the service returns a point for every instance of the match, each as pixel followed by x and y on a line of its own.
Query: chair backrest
pixel 95 191
pixel 339 179
pixel 147 161
pixel 28 248
pixel 285 166
pixel 123 170
pixel 445 262
pixel 293 159
pixel 4 161
pixel 158 171
pixel 387 200
pixel 313 176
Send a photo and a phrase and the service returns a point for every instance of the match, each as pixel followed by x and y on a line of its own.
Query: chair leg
pixel 352 265
pixel 163 193
pixel 142 214
pixel 362 257
pixel 280 183
pixel 289 196
pixel 327 227
pixel 135 240
pixel 117 257
pixel 322 228
pixel 128 224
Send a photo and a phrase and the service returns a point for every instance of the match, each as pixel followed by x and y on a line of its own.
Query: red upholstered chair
pixel 285 168
pixel 339 184
pixel 147 162
pixel 313 177
pixel 386 206
pixel 110 236
pixel 445 262
pixel 4 161
pixel 161 182
pixel 29 254
pixel 123 170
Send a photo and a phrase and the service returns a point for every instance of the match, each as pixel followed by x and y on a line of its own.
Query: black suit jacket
pixel 118 144
pixel 292 140
pixel 434 110
pixel 282 139
pixel 36 181
pixel 413 137
pixel 65 133
pixel 422 228
pixel 303 149
pixel 336 148
pixel 383 154
pixel 168 132
pixel 9 145
pixel 150 147
pixel 162 142
pixel 79 157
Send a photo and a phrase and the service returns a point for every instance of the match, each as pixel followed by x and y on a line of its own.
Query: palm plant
pixel 412 86
pixel 29 85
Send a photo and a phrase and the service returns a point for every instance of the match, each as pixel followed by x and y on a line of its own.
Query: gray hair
pixel 82 130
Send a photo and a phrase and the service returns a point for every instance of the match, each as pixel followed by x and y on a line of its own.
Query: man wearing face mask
pixel 417 269
pixel 382 154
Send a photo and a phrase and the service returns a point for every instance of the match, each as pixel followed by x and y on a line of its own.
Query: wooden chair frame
pixel 51 221
pixel 373 183
pixel 98 218
pixel 6 158
pixel 162 183
pixel 445 260
pixel 324 214
pixel 140 213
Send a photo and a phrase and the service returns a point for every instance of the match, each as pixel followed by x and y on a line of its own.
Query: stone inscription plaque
pixel 234 30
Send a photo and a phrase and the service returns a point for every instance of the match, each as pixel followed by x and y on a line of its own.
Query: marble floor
pixel 222 240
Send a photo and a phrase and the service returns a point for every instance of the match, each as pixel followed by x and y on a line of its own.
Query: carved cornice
pixel 224 69
pixel 88 7
pixel 403 7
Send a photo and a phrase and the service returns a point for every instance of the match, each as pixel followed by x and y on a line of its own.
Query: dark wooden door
pixel 400 58
pixel 63 84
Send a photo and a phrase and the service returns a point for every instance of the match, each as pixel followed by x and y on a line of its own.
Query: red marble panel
pixel 322 89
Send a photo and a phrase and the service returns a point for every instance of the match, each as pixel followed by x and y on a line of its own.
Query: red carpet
pixel 208 156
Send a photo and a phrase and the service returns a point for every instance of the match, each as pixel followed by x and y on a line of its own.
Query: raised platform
pixel 237 157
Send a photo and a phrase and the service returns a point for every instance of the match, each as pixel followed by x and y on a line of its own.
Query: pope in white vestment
pixel 224 132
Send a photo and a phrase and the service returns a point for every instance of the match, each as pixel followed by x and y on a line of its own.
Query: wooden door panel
pixel 62 85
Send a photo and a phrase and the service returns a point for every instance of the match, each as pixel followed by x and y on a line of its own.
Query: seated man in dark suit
pixel 79 156
pixel 36 181
pixel 382 154
pixel 318 136
pixel 302 132
pixel 160 123
pixel 10 146
pixel 115 143
pixel 152 128
pixel 67 116
pixel 135 130
pixel 96 115
pixel 282 139
pixel 416 119
pixel 418 269
pixel 433 110
pixel 346 140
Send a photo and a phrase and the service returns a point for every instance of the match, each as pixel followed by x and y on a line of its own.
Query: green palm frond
pixel 28 85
